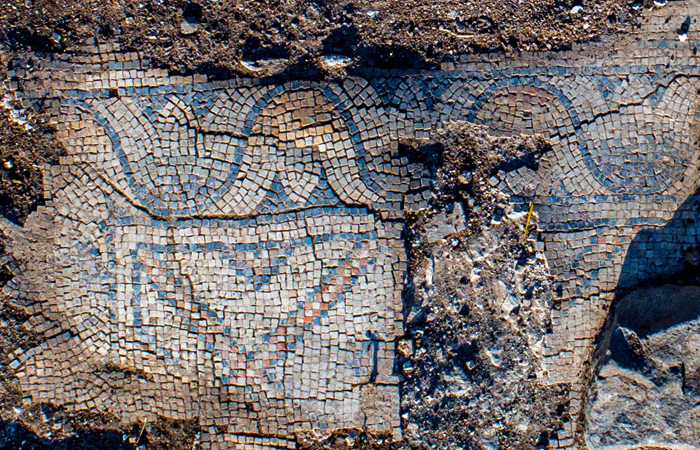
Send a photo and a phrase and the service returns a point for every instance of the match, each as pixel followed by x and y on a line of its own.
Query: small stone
pixel 273 65
pixel 406 347
pixel 330 62
pixel 191 18
pixel 187 27
pixel 447 222
pixel 466 176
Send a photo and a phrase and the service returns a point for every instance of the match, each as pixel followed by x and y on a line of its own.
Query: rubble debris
pixel 475 379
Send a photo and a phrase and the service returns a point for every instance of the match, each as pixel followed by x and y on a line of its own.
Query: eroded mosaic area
pixel 232 251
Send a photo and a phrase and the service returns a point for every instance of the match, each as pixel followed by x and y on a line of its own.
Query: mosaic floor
pixel 232 250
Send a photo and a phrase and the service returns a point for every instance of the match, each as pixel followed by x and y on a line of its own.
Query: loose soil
pixel 254 37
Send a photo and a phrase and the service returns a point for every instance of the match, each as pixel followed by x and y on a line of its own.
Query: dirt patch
pixel 51 428
pixel 461 161
pixel 347 440
pixel 27 142
pixel 167 434
pixel 477 307
pixel 259 37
